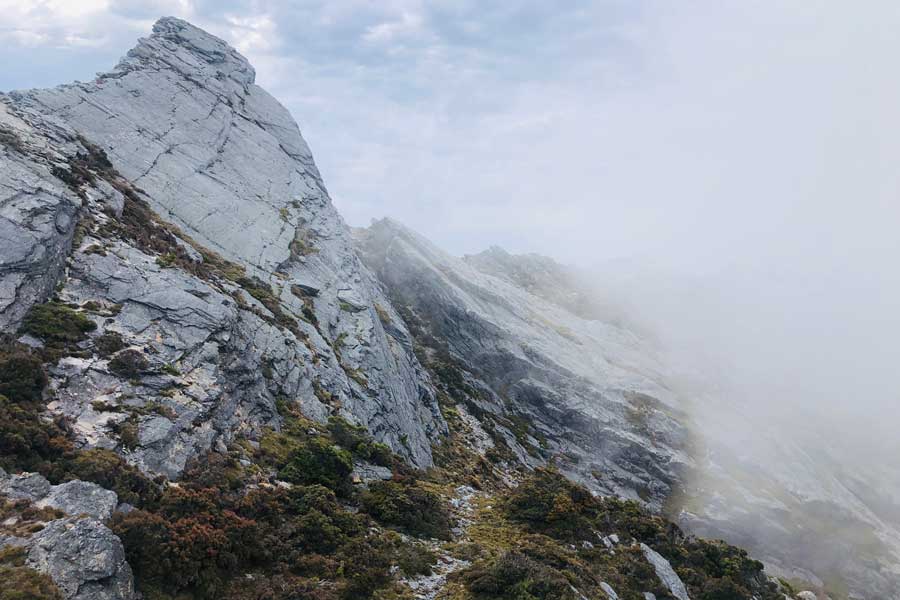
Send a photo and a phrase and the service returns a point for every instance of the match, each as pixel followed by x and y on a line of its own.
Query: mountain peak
pixel 186 48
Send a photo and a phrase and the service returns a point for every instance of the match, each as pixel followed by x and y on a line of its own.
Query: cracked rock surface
pixel 83 557
pixel 266 297
pixel 591 393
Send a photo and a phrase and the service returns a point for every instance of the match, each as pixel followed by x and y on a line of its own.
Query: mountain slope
pixel 282 306
pixel 591 394
pixel 205 391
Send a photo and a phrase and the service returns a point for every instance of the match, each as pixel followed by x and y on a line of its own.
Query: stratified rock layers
pixel 270 300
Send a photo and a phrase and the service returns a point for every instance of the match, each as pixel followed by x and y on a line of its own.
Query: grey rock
pixel 649 596
pixel 807 596
pixel 607 589
pixel 73 497
pixel 224 164
pixel 84 558
pixel 366 472
pixel 533 360
pixel 37 220
pixel 25 486
pixel 666 573
pixel 81 498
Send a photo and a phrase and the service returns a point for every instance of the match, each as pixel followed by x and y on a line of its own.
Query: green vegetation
pixel 21 582
pixel 129 364
pixel 109 343
pixel 59 326
pixel 222 533
pixel 22 377
pixel 408 506
pixel 302 244
pixel 319 462
pixel 515 576
pixel 534 544
pixel 262 291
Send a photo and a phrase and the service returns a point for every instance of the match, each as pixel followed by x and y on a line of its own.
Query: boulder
pixel 84 558
pixel 81 498
pixel 666 573
pixel 25 486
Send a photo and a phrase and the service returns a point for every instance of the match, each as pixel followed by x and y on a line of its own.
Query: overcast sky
pixel 677 132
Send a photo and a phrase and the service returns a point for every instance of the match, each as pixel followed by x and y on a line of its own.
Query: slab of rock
pixel 366 472
pixel 81 498
pixel 84 558
pixel 607 589
pixel 25 486
pixel 73 497
pixel 665 572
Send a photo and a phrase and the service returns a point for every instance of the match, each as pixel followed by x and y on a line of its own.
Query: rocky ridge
pixel 585 394
pixel 168 249
pixel 184 152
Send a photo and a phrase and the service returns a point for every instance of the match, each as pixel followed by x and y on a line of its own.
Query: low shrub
pixel 549 503
pixel 108 469
pixel 129 364
pixel 28 442
pixel 318 461
pixel 357 440
pixel 109 343
pixel 515 576
pixel 57 324
pixel 22 377
pixel 409 507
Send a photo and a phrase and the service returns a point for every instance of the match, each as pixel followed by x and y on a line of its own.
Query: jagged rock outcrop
pixel 84 558
pixel 72 497
pixel 590 393
pixel 541 276
pixel 175 204
pixel 79 553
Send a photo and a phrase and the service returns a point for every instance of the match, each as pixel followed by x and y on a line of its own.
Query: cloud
pixel 255 34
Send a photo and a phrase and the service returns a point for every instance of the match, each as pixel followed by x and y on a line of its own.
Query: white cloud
pixel 253 34
pixel 408 24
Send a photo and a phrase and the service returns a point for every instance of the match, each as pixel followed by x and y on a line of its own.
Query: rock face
pixel 207 248
pixel 540 276
pixel 73 497
pixel 590 392
pixel 39 214
pixel 82 556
